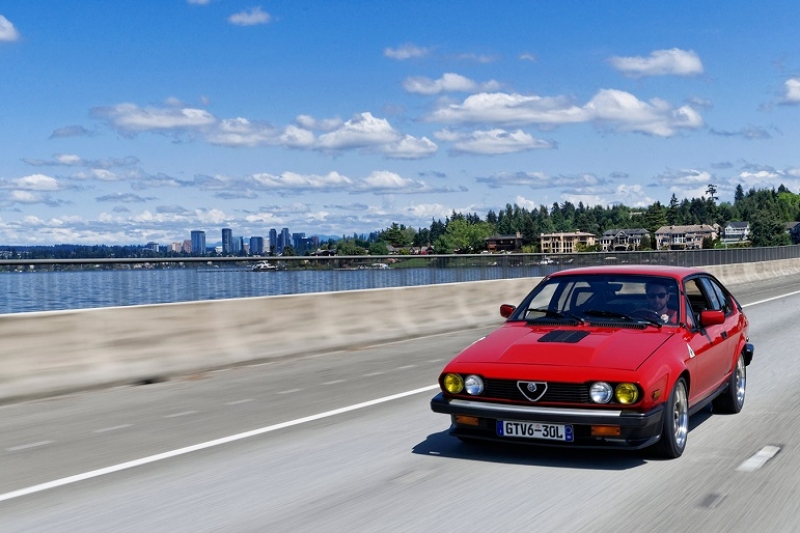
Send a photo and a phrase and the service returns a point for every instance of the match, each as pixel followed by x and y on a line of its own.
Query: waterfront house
pixel 565 242
pixel 623 239
pixel 684 237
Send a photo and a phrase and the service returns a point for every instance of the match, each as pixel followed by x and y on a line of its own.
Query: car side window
pixel 711 295
pixel 722 296
pixel 696 297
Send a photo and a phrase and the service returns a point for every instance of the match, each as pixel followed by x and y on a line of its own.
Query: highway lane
pixel 388 466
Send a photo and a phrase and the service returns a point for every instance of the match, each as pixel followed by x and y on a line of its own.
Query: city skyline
pixel 143 122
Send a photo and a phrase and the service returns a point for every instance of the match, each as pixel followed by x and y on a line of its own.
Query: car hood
pixel 624 349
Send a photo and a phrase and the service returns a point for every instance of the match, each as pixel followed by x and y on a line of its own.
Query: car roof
pixel 675 272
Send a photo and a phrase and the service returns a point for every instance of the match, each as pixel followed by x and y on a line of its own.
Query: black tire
pixel 675 429
pixel 731 400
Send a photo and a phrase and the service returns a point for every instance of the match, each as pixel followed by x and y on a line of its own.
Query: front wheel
pixel 732 400
pixel 675 429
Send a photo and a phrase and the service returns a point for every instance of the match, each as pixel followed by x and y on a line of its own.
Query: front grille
pixel 506 389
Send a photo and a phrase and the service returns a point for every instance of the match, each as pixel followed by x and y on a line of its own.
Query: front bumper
pixel 636 430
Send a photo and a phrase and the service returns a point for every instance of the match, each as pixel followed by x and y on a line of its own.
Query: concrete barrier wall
pixel 52 352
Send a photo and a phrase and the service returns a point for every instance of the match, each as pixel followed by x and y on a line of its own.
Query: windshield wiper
pixel 556 314
pixel 622 316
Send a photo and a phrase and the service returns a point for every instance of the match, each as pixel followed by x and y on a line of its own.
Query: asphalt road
pixel 346 441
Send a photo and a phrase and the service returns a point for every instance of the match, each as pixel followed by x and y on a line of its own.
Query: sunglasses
pixel 657 295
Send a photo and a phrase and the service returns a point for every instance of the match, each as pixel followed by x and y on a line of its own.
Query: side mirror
pixel 506 310
pixel 709 318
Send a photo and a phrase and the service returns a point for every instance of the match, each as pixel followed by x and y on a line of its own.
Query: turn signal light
pixel 467 420
pixel 606 431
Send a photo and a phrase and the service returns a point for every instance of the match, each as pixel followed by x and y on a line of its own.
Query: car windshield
pixel 607 297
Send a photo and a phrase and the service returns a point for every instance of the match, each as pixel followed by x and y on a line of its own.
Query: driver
pixel 657 297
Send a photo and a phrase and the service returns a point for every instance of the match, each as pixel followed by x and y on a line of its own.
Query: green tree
pixel 378 248
pixel 767 229
pixel 464 237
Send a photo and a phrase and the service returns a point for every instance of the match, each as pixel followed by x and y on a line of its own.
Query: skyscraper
pixel 273 240
pixel 256 245
pixel 198 242
pixel 227 241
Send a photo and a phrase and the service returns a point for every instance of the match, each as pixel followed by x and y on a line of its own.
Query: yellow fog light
pixel 453 383
pixel 627 393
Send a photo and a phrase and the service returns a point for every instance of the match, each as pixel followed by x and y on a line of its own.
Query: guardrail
pixel 53 352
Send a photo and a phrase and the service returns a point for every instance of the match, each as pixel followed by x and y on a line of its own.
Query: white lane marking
pixel 112 428
pixel 238 402
pixel 31 445
pixel 771 299
pixel 183 413
pixel 758 460
pixel 371 374
pixel 406 367
pixel 204 445
pixel 334 382
pixel 290 391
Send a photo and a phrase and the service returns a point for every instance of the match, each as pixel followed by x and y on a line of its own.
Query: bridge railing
pixel 54 284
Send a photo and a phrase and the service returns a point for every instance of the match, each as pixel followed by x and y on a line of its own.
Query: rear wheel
pixel 675 429
pixel 732 400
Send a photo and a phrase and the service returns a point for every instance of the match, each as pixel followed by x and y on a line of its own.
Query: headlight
pixel 627 393
pixel 473 384
pixel 601 392
pixel 453 383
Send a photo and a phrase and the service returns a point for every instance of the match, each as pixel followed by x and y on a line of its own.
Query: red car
pixel 603 357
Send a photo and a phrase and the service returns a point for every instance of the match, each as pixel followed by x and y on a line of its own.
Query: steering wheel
pixel 648 314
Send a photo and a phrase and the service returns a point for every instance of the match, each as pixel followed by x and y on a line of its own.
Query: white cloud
pixel 523 202
pixel 199 2
pixel 25 197
pixel 250 18
pixel 363 130
pixel 510 110
pixel 685 178
pixel 292 181
pixel 542 180
pixel 241 132
pixel 449 82
pixel 616 109
pixel 384 181
pixel 36 182
pixel 310 123
pixel 409 148
pixel 427 212
pixel 496 141
pixel 622 111
pixel 527 56
pixel 8 32
pixel 295 137
pixel 130 118
pixel 674 62
pixel 477 58
pixel 792 91
pixel 632 195
pixel 407 51
pixel 211 216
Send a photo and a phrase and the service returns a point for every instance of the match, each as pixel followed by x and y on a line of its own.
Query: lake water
pixel 47 291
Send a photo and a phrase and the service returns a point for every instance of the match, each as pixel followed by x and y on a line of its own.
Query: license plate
pixel 535 430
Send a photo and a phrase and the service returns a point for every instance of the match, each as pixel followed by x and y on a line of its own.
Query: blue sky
pixel 129 121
